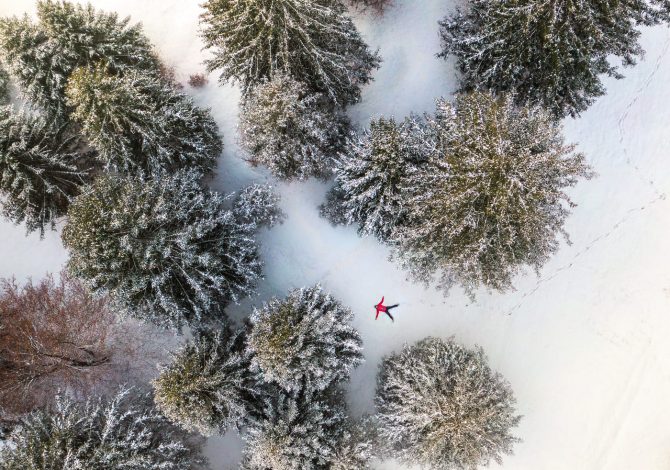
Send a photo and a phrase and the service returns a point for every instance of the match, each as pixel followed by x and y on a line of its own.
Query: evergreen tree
pixel 313 41
pixel 258 205
pixel 166 250
pixel 491 199
pixel 121 433
pixel 370 175
pixel 4 86
pixel 295 431
pixel 139 123
pixel 305 340
pixel 292 131
pixel 38 175
pixel 439 405
pixel 551 53
pixel 42 55
pixel 207 386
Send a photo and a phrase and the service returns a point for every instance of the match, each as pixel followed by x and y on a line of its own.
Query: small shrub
pixel 198 80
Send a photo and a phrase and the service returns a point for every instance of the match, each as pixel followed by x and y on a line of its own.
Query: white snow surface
pixel 584 345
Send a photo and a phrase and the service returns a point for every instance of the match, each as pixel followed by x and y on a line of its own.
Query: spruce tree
pixel 208 384
pixel 491 199
pixel 258 205
pixel 298 431
pixel 38 175
pixel 551 53
pixel 314 41
pixel 370 175
pixel 140 124
pixel 121 433
pixel 166 250
pixel 440 405
pixel 305 340
pixel 294 132
pixel 67 35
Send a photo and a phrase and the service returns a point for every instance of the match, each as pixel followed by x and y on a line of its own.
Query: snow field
pixel 584 346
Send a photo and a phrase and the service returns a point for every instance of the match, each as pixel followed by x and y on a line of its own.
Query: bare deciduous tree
pixel 54 335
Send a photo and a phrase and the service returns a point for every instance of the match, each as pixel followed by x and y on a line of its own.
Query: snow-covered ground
pixel 584 346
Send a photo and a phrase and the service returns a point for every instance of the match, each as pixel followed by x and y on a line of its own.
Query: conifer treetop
pixel 491 199
pixel 38 171
pixel 314 41
pixel 122 432
pixel 43 54
pixel 550 53
pixel 206 386
pixel 304 341
pixel 440 405
pixel 166 250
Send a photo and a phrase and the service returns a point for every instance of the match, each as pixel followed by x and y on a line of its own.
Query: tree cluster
pixel 99 100
pixel 42 55
pixel 299 64
pixel 306 430
pixel 286 351
pixel 112 143
pixel 550 54
pixel 473 193
pixel 52 334
pixel 372 173
pixel 208 384
pixel 279 380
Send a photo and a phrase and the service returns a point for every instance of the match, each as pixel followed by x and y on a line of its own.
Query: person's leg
pixel 391 306
pixel 390 316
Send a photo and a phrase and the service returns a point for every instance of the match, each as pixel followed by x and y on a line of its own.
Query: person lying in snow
pixel 382 308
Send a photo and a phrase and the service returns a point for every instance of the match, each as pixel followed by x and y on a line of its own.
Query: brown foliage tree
pixel 56 335
pixel 377 6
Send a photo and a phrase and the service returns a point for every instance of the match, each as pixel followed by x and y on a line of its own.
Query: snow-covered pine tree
pixel 551 53
pixel 67 35
pixel 258 205
pixel 166 250
pixel 38 175
pixel 4 86
pixel 304 341
pixel 440 405
pixel 370 175
pixel 122 432
pixel 295 431
pixel 208 384
pixel 313 41
pixel 141 124
pixel 492 198
pixel 291 130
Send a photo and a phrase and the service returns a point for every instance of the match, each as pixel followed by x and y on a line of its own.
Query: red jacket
pixel 380 307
